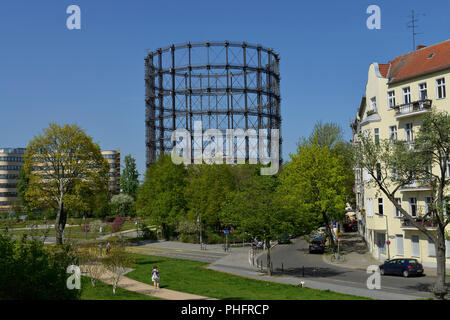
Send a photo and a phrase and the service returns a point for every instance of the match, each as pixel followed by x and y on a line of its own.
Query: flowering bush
pixel 117 224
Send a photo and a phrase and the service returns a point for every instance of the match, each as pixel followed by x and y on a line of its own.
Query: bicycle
pixel 337 257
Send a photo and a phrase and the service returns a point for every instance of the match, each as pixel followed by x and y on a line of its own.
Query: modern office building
pixel 11 162
pixel 113 158
pixel 398 94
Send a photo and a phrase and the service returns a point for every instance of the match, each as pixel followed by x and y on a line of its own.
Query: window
pixel 428 205
pixel 423 91
pixel 431 249
pixel 378 168
pixel 394 175
pixel 377 136
pixel 397 212
pixel 380 206
pixel 393 133
pixel 440 87
pixel 406 95
pixel 413 207
pixel 447 171
pixel 373 104
pixel 409 132
pixel 399 244
pixel 369 207
pixel 415 248
pixel 447 248
pixel 391 99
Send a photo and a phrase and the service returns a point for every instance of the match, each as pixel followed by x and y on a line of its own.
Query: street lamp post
pixel 199 218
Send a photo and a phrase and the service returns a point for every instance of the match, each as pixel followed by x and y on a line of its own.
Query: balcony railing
pixel 425 222
pixel 417 186
pixel 413 107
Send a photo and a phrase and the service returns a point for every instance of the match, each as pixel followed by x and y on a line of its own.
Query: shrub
pixel 117 224
pixel 31 271
pixel 212 238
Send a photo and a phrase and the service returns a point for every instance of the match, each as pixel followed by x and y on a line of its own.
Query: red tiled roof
pixel 384 67
pixel 418 62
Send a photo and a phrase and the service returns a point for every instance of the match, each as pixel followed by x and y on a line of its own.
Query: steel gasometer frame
pixel 225 85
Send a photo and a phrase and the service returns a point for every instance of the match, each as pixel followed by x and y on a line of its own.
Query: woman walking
pixel 155 277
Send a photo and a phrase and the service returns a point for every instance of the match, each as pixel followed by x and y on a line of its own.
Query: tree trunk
pixel 60 223
pixel 330 234
pixel 268 260
pixel 440 289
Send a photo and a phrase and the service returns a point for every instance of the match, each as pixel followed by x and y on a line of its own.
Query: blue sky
pixel 95 76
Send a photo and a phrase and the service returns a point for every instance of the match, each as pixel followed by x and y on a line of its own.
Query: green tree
pixel 315 184
pixel 331 135
pixel 129 180
pixel 255 209
pixel 396 164
pixel 65 169
pixel 122 204
pixel 161 196
pixel 206 193
pixel 22 186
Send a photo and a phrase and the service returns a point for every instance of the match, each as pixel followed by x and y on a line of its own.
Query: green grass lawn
pixel 192 277
pixel 103 291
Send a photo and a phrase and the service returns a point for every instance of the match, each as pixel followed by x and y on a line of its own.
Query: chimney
pixel 420 47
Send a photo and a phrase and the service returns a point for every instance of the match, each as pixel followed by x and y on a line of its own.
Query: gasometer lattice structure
pixel 224 85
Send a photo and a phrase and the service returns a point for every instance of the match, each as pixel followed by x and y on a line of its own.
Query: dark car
pixel 316 245
pixel 350 226
pixel 404 267
pixel 284 238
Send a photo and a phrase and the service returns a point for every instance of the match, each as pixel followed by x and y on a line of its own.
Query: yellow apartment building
pixel 398 94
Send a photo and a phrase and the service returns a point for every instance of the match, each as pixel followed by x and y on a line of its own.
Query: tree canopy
pixel 129 179
pixel 66 170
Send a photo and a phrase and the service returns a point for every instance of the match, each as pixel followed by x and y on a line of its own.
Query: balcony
pixel 412 109
pixel 425 222
pixel 416 186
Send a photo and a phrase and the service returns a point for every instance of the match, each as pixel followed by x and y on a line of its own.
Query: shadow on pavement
pixel 309 272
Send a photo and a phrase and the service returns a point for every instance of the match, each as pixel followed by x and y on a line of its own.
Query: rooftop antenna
pixel 412 24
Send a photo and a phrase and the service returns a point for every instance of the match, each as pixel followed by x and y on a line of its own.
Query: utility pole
pixel 199 221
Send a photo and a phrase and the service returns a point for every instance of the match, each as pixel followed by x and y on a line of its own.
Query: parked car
pixel 316 245
pixel 404 267
pixel 284 238
pixel 350 226
pixel 319 236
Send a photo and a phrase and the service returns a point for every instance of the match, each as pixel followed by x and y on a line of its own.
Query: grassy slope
pixel 193 277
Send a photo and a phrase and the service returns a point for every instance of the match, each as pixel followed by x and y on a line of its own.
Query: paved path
pixel 179 250
pixel 149 290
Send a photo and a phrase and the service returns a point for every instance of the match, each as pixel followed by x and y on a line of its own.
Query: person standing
pixel 155 277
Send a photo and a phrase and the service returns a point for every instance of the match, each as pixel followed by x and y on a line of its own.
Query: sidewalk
pixel 355 252
pixel 149 290
pixel 357 256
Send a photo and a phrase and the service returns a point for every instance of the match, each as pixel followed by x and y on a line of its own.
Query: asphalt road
pixel 294 260
pixel 168 250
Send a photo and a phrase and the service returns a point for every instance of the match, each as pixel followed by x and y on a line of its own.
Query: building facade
pixel 11 162
pixel 113 158
pixel 397 96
